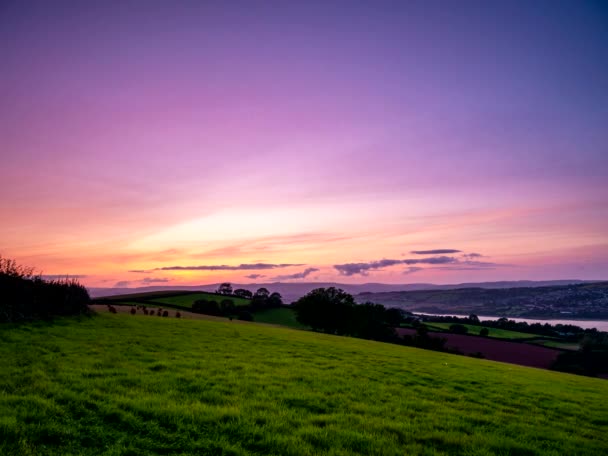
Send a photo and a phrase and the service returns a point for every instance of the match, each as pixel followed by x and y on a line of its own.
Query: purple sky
pixel 141 135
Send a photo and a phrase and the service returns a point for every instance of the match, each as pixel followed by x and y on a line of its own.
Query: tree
pixel 484 332
pixel 326 309
pixel 473 318
pixel 225 289
pixel 275 300
pixel 459 329
pixel 227 306
pixel 394 316
pixel 260 298
pixel 242 293
pixel 206 307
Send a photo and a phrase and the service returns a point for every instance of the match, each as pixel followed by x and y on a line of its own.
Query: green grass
pixel 556 344
pixel 282 316
pixel 494 332
pixel 134 385
pixel 188 299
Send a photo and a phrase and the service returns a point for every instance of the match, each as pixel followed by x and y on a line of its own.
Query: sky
pixel 186 142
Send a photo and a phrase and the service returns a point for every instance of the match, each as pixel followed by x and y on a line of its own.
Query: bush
pixel 25 296
pixel 459 329
pixel 245 316
pixel 206 307
pixel 484 332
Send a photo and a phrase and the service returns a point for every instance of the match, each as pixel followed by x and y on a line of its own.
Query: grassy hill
pixel 171 298
pixel 475 329
pixel 130 385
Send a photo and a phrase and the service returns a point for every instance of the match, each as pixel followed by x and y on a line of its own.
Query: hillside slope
pixel 122 384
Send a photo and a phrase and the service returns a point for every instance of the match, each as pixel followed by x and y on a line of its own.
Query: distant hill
pixel 572 301
pixel 293 291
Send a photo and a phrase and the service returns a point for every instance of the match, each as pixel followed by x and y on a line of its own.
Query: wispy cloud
pixel 155 280
pixel 255 276
pixel 298 275
pixel 412 269
pixel 122 284
pixel 435 251
pixel 225 267
pixel 141 271
pixel 349 269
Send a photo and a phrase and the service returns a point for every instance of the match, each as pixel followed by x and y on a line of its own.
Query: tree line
pixel 261 299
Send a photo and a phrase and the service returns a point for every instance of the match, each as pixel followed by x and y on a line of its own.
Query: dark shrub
pixel 133 311
pixel 245 316
pixel 206 307
pixel 166 313
pixel 459 329
pixel 25 296
pixel 484 332
pixel 178 315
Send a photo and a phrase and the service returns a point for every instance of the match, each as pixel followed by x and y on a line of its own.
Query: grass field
pixel 282 316
pixel 187 300
pixel 557 344
pixel 132 385
pixel 494 332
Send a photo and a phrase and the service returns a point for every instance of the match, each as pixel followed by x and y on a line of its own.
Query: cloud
pixel 255 276
pixel 430 260
pixel 350 269
pixel 63 276
pixel 155 280
pixel 435 252
pixel 470 256
pixel 412 269
pixel 224 267
pixel 122 284
pixel 297 275
pixel 141 271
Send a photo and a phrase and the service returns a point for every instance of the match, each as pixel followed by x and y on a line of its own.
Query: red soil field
pixel 496 350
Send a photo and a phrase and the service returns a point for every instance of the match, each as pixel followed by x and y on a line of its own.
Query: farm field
pixel 122 384
pixel 496 349
pixel 494 332
pixel 170 298
pixel 187 300
pixel 282 316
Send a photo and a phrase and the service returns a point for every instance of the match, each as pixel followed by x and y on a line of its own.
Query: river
pixel 585 324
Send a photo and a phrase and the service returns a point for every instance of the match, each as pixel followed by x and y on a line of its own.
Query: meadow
pixel 474 329
pixel 133 385
pixel 176 299
pixel 280 316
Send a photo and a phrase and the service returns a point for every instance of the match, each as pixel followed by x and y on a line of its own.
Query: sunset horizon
pixel 145 143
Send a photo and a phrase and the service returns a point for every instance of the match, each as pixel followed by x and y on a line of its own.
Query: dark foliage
pixel 225 289
pixel 422 340
pixel 227 307
pixel 242 293
pixel 275 300
pixel 459 329
pixel 326 309
pixel 334 311
pixel 206 307
pixel 484 332
pixel 25 296
pixel 245 316
pixel 260 299
pixel 591 359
